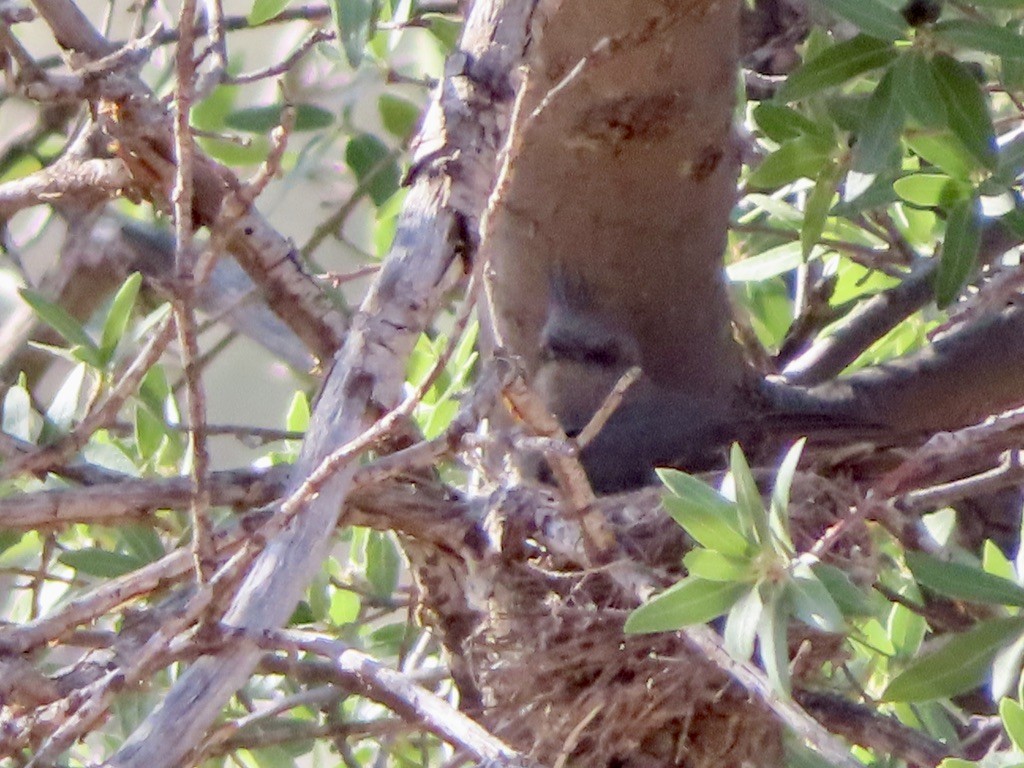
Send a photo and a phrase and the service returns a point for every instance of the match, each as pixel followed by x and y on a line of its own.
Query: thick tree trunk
pixel 622 176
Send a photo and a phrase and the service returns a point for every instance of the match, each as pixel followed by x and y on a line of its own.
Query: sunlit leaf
pixel 932 190
pixel 741 625
pixel 1012 715
pixel 691 601
pixel 706 515
pixel 714 566
pixel 748 497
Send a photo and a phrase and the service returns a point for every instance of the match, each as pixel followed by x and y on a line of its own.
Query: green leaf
pixel 354 21
pixel 1012 715
pixel 812 602
pixel 100 562
pixel 297 419
pixel 779 507
pixel 1006 668
pixel 345 606
pixel 707 516
pixel 967 109
pixel 851 600
pixel 714 566
pixel 141 542
pixel 120 313
pixel 931 190
pixel 799 158
pixel 383 563
pixel 962 582
pixel 308 117
pixel 957 666
pixel 398 116
pixel 748 497
pixel 443 29
pixel 20 419
pixel 906 630
pixel 781 123
pixel 691 601
pixel 149 432
pixel 741 625
pixel 774 648
pixel 767 264
pixel 871 16
pixel 836 65
pixel 959 251
pixel 916 89
pixel 945 151
pixel 981 36
pixel 817 207
pixel 265 10
pixel 57 318
pixel 878 139
pixel 374 166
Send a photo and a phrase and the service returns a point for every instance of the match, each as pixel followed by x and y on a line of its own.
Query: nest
pixel 556 677
pixel 570 689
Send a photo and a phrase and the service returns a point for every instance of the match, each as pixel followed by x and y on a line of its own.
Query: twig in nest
pixel 569 475
pixel 608 407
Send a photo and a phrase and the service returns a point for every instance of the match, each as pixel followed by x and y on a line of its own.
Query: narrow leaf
pixel 741 625
pixel 871 16
pixel 818 204
pixel 691 601
pixel 796 159
pixel 354 21
pixel 780 493
pixel 714 566
pixel 982 36
pixel 120 313
pixel 748 497
pixel 967 109
pixel 374 166
pixel 812 602
pixel 264 10
pixel 836 65
pixel 959 251
pixel 707 516
pixel 851 600
pixel 957 666
pixel 57 318
pixel 879 135
pixel 774 649
pixel 916 89
pixel 100 562
pixel 962 582
pixel 1012 715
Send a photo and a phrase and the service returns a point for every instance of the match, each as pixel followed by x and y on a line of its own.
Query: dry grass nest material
pixel 562 682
